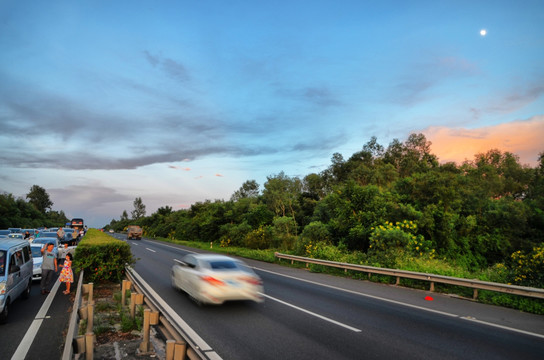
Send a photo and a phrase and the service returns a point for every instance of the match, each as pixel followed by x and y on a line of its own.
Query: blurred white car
pixel 214 279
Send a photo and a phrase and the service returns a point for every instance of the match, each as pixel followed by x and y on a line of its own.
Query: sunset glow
pixel 523 138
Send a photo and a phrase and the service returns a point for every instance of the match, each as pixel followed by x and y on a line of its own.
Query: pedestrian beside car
pixel 27 235
pixel 49 267
pixel 60 234
pixel 66 274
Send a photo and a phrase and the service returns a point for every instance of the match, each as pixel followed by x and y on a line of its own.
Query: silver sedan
pixel 214 279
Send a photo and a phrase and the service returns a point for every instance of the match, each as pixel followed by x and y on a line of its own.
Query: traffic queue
pixel 34 254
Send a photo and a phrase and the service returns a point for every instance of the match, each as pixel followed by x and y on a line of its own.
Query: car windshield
pixel 36 251
pixel 44 241
pixel 49 234
pixel 223 265
pixel 2 262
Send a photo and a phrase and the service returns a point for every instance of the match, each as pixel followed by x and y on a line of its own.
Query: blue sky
pixel 179 101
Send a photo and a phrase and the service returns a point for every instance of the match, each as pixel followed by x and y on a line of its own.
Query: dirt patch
pixel 113 336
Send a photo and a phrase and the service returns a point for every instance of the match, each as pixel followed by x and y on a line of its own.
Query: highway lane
pixel 315 316
pixel 29 335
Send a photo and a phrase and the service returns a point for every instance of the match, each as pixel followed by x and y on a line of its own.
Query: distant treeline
pixel 31 213
pixel 385 204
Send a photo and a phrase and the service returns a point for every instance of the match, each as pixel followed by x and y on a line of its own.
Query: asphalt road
pixel 316 316
pixel 305 316
pixel 35 327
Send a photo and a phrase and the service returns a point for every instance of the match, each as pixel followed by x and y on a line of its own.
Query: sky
pixel 180 102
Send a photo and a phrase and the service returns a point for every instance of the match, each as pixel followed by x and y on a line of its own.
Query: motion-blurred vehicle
pixel 111 231
pixel 214 279
pixel 37 256
pixel 134 232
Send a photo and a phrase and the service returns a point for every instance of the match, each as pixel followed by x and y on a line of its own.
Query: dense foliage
pixel 395 207
pixel 31 214
pixel 102 257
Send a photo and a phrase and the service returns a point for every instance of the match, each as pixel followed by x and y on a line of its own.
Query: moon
pixel 483 32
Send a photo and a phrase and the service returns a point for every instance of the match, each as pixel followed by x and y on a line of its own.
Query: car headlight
pixel 2 288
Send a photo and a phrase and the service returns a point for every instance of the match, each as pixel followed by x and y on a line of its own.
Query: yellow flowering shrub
pixel 401 235
pixel 528 268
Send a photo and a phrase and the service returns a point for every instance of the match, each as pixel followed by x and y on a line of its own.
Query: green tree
pixel 139 209
pixel 249 189
pixel 281 193
pixel 39 198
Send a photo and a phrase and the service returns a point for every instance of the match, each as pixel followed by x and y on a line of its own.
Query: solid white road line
pixel 502 327
pixel 30 335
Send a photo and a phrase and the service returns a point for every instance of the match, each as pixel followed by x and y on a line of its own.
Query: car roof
pixel 5 244
pixel 45 240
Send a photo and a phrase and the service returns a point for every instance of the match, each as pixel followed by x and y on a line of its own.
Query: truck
pixel 134 232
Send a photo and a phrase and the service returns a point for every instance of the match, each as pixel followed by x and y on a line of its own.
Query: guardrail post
pixel 179 350
pixel 144 346
pixel 135 299
pixel 88 289
pixel 80 344
pixel 170 345
pixel 132 304
pixel 398 281
pixel 432 287
pixel 89 346
pixel 83 312
pixel 126 286
pixel 475 294
pixel 90 316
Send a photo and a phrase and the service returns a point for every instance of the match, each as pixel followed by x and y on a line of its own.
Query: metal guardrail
pixel 73 325
pixel 172 325
pixel 432 278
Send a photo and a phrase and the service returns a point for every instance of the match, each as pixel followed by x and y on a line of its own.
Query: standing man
pixel 60 234
pixel 49 267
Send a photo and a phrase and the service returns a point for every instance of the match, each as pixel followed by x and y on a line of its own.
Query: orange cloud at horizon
pixel 522 138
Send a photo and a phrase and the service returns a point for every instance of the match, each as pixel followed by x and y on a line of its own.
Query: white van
pixel 15 273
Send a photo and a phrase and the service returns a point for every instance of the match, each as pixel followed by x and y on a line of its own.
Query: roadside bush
pixel 234 234
pixel 102 257
pixel 285 230
pixel 313 233
pixel 261 238
pixel 528 268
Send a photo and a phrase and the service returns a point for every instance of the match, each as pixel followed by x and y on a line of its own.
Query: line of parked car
pixel 21 260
